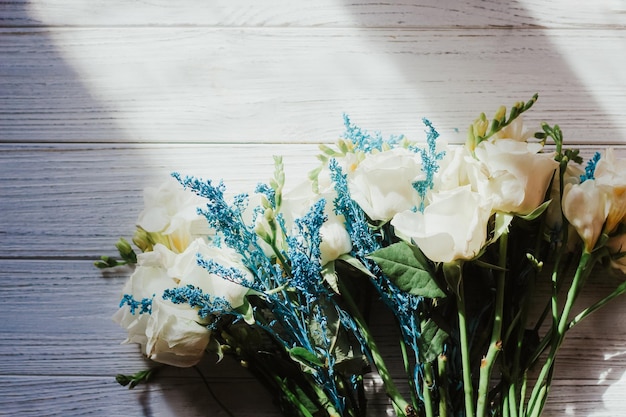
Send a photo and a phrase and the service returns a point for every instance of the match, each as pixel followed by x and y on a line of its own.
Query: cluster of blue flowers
pixel 590 169
pixel 365 141
pixel 207 305
pixel 430 166
pixel 144 306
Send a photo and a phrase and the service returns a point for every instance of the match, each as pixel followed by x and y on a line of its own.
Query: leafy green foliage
pixel 408 268
pixel 133 380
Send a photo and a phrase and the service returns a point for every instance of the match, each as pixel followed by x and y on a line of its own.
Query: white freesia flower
pixel 382 184
pixel 452 227
pixel 515 131
pixel 617 247
pixel 610 173
pixel 586 207
pixel 554 215
pixel 517 175
pixel 186 271
pixel 174 335
pixel 335 240
pixel 170 215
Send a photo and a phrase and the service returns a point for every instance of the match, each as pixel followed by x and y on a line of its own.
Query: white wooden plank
pixel 323 13
pixel 81 396
pixel 60 201
pixel 292 85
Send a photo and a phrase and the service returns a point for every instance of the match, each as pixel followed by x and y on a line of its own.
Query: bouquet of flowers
pixel 451 240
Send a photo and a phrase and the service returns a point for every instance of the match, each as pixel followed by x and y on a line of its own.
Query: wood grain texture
pixel 100 99
pixel 291 85
pixel 323 13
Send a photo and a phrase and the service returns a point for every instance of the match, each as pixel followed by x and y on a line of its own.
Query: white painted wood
pixel 291 85
pixel 215 88
pixel 323 13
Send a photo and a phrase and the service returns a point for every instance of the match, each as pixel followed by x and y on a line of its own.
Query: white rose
pixel 452 227
pixel 187 272
pixel 453 169
pixel 174 336
pixel 517 176
pixel 170 213
pixel 149 280
pixel 382 184
pixel 586 207
pixel 335 240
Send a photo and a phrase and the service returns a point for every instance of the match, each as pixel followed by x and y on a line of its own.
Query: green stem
pixel 542 385
pixel 465 352
pixel 390 387
pixel 325 401
pixel 442 365
pixel 293 399
pixel 407 371
pixel 427 383
pixel 617 292
pixel 495 345
pixel 522 395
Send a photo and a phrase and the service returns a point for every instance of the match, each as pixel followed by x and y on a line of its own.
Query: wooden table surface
pixel 99 99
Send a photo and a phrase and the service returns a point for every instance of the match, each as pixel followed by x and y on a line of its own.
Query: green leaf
pixel 431 341
pixel 502 223
pixel 330 276
pixel 355 263
pixel 246 311
pixel 408 268
pixel 536 212
pixel 306 358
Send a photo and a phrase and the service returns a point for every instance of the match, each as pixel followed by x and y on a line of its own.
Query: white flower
pixel 335 240
pixel 186 271
pixel 174 333
pixel 517 176
pixel 453 169
pixel 515 131
pixel 586 207
pixel 174 336
pixel 149 279
pixel 170 215
pixel 452 227
pixel 610 173
pixel 382 184
pixel 617 247
pixel 554 215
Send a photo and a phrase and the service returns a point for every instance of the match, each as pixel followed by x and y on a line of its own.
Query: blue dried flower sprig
pixel 430 165
pixel 144 306
pixel 206 304
pixel 590 169
pixel 365 141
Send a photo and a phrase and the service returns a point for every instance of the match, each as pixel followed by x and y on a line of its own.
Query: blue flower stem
pixel 407 370
pixel 403 408
pixel 495 345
